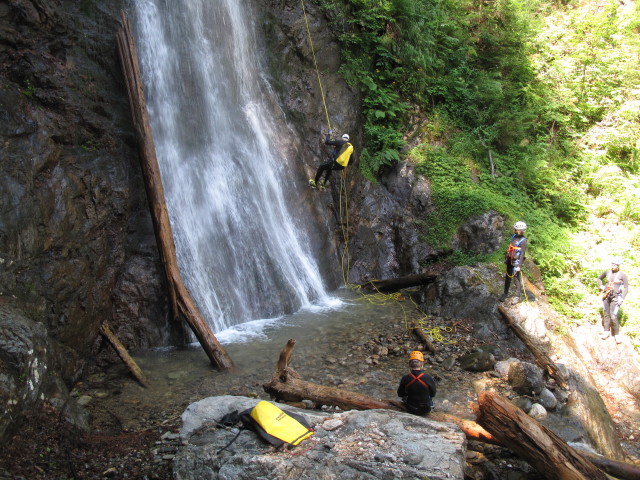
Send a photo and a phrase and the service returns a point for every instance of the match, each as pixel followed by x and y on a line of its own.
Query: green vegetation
pixel 531 109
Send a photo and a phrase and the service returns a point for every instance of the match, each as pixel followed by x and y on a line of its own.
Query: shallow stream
pixel 352 342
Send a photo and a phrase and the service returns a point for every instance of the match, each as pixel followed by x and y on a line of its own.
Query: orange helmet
pixel 416 355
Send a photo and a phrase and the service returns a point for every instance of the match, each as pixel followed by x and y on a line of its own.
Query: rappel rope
pixel 315 63
pixel 378 298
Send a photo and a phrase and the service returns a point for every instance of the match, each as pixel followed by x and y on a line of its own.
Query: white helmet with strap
pixel 520 226
pixel 345 137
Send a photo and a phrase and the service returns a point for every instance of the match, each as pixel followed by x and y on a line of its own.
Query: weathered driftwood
pixel 471 429
pixel 533 442
pixel 286 385
pixel 180 298
pixel 424 337
pixel 542 359
pixel 133 367
pixel 395 284
pixel 621 470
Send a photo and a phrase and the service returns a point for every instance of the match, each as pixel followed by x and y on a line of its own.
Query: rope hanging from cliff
pixel 315 63
pixel 345 229
pixel 379 297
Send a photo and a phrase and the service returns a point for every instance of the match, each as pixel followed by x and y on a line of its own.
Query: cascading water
pixel 241 252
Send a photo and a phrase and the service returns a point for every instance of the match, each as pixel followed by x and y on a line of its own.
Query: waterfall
pixel 242 253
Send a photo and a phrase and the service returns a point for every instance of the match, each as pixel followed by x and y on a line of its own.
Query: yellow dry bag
pixel 345 154
pixel 276 426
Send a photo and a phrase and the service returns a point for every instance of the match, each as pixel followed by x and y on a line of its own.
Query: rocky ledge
pixel 372 444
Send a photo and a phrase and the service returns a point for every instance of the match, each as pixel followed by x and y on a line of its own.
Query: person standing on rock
pixel 614 292
pixel 418 388
pixel 342 151
pixel 514 259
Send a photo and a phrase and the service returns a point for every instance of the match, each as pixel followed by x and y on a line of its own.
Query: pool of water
pixel 332 347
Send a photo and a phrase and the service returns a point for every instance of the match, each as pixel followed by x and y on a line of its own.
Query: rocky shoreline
pixel 138 430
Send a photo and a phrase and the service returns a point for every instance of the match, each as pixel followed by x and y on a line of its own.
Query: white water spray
pixel 240 252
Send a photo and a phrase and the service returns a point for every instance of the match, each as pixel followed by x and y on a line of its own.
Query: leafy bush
pixel 526 108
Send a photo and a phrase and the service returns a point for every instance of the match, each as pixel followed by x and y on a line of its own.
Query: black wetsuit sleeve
pixel 602 276
pixel 401 389
pixel 336 143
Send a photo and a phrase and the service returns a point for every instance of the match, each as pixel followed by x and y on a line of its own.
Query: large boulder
pixel 29 372
pixel 372 444
pixel 526 378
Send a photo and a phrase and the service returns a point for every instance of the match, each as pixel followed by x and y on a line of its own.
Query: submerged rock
pixel 477 361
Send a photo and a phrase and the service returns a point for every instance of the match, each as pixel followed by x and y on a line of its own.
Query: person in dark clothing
pixel 614 292
pixel 418 388
pixel 340 156
pixel 514 259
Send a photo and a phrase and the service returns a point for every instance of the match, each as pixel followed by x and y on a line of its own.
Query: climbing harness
pixel 416 379
pixel 513 251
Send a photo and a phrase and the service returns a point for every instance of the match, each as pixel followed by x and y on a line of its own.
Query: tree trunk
pixel 621 470
pixel 471 429
pixel 395 284
pixel 542 359
pixel 533 442
pixel 286 385
pixel 181 301
pixel 124 355
pixel 424 337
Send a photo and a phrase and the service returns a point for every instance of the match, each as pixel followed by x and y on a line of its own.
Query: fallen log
pixel 133 367
pixel 471 429
pixel 542 359
pixel 286 385
pixel 395 284
pixel 179 296
pixel 533 442
pixel 615 468
pixel 419 332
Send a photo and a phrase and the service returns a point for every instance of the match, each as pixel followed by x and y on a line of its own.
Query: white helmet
pixel 616 261
pixel 345 137
pixel 520 226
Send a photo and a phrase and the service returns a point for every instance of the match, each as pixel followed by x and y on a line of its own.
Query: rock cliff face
pixel 77 244
pixel 76 241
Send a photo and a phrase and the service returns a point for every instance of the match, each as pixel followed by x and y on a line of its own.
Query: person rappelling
pixel 514 259
pixel 340 156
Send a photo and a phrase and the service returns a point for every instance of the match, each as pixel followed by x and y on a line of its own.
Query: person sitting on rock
pixel 340 157
pixel 418 388
pixel 613 294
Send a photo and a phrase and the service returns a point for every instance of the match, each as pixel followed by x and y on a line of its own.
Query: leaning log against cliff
pixel 395 284
pixel 180 298
pixel 542 359
pixel 533 442
pixel 133 367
